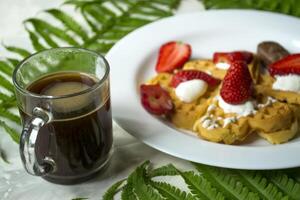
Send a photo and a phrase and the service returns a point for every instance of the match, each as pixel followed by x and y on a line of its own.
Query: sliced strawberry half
pixel 186 75
pixel 229 57
pixel 237 84
pixel 155 99
pixel 288 65
pixel 172 55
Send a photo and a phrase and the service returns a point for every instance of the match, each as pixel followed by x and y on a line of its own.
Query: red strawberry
pixel 229 57
pixel 288 65
pixel 187 75
pixel 155 99
pixel 237 84
pixel 172 55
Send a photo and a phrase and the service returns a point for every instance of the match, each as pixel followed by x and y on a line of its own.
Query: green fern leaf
pixel 286 184
pixel 69 22
pixel 8 115
pixel 35 41
pixel 127 193
pixel 223 180
pixel 6 68
pixel 139 182
pixel 20 51
pixel 6 99
pixel 111 192
pixel 171 192
pixel 46 29
pixel 258 183
pixel 13 61
pixel 12 133
pixel 200 187
pixel 167 170
pixel 6 84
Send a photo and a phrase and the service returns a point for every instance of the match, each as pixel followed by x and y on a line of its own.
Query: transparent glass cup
pixel 66 138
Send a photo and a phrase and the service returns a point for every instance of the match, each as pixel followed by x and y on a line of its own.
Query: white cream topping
pixel 289 82
pixel 209 123
pixel 229 120
pixel 243 109
pixel 189 91
pixel 211 107
pixel 223 65
pixel 269 102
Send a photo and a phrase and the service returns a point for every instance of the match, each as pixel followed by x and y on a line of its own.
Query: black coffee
pixel 79 139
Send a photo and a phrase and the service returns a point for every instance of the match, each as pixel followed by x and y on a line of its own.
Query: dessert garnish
pixel 237 84
pixel 288 65
pixel 172 55
pixel 269 52
pixel 224 59
pixel 187 75
pixel 191 84
pixel 155 99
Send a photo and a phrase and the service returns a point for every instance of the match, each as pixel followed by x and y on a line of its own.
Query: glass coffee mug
pixel 64 102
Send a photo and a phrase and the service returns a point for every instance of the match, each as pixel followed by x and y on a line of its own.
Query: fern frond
pixel 6 84
pixel 13 61
pixel 12 133
pixel 127 193
pixel 295 173
pixel 17 50
pixel 6 99
pixel 6 68
pixel 201 187
pixel 47 30
pixel 260 184
pixel 113 190
pixel 8 115
pixel 231 187
pixel 69 22
pixel 286 184
pixel 35 41
pixel 140 185
pixel 167 170
pixel 171 192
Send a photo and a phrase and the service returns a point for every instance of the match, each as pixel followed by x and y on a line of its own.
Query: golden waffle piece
pixel 272 116
pixel 184 114
pixel 217 126
pixel 282 136
pixel 264 86
pixel 273 120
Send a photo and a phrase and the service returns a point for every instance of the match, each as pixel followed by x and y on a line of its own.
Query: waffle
pixel 271 116
pixel 184 114
pixel 212 126
pixel 264 86
pixel 281 136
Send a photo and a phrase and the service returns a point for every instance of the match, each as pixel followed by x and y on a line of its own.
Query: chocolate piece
pixel 269 52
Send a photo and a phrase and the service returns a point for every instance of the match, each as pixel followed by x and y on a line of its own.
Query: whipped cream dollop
pixel 289 82
pixel 189 91
pixel 242 110
pixel 223 65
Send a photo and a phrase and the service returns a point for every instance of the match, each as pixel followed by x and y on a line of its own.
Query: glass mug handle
pixel 27 144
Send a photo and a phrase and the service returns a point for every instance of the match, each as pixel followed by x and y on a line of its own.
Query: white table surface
pixel 128 152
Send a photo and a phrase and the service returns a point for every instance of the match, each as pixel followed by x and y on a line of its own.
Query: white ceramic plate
pixel 133 59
